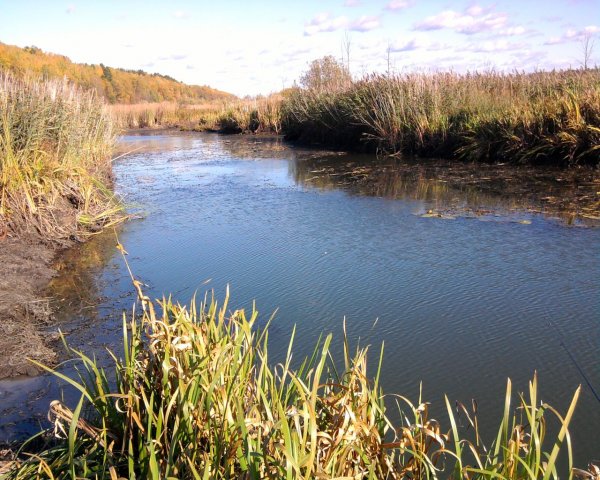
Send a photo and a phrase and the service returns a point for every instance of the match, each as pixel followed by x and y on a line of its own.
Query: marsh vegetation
pixel 194 395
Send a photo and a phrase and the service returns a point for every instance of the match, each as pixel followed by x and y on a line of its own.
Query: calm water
pixel 463 301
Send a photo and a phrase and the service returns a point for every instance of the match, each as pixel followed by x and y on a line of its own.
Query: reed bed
pixel 55 146
pixel 539 118
pixel 239 116
pixel 195 396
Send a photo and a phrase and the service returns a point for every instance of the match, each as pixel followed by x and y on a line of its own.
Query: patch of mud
pixel 26 271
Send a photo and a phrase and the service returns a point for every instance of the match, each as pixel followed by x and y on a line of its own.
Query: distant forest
pixel 115 84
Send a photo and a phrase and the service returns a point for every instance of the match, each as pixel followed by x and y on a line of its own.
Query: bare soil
pixel 25 266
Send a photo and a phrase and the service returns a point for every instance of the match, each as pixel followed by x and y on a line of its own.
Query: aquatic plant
pixel 194 395
pixel 543 117
pixel 55 146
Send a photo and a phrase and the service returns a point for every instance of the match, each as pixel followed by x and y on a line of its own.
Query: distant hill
pixel 115 84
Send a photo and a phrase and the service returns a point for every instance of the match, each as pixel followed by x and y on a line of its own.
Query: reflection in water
pixel 75 291
pixel 320 236
pixel 468 190
pixel 77 303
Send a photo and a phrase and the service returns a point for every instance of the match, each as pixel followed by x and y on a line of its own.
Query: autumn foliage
pixel 114 84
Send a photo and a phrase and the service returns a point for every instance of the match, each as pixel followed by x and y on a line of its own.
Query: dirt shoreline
pixel 24 312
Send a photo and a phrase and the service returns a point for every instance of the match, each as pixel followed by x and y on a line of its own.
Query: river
pixel 467 275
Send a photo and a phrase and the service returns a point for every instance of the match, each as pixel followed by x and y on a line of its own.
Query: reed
pixel 194 395
pixel 543 117
pixel 238 116
pixel 55 146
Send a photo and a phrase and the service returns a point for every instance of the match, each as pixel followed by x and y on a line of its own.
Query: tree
pixel 587 48
pixel 326 74
pixel 346 43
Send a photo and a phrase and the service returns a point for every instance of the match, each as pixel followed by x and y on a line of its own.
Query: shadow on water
pixel 322 235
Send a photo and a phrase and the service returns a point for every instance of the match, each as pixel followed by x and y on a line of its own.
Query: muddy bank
pixel 24 312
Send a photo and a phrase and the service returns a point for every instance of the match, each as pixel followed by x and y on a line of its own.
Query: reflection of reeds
pixel 55 143
pixel 195 396
pixel 460 188
pixel 551 117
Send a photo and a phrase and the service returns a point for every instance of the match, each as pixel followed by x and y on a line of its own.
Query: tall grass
pixel 194 395
pixel 545 117
pixel 536 118
pixel 55 146
pixel 238 116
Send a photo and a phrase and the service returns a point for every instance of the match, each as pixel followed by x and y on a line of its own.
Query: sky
pixel 258 47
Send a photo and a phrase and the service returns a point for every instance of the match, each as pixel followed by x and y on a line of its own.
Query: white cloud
pixel 553 41
pixel 573 35
pixel 365 23
pixel 71 9
pixel 395 5
pixel 324 22
pixel 409 45
pixel 474 19
pixel 491 46
pixel 512 31
pixel 351 3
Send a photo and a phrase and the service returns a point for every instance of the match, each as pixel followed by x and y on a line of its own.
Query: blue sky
pixel 252 47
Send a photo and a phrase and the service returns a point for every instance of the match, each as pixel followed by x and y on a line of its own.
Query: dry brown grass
pixel 55 146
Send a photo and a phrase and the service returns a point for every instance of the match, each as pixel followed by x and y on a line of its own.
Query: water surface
pixel 468 278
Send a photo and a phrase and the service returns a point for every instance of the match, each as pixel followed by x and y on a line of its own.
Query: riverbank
pixel 26 268
pixel 55 177
pixel 541 118
pixel 195 172
pixel 201 400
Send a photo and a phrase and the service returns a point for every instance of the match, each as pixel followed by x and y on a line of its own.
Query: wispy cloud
pixel 365 23
pixel 416 43
pixel 513 31
pixel 324 22
pixel 475 19
pixel 573 35
pixel 71 9
pixel 407 46
pixel 175 56
pixel 352 3
pixel 396 5
pixel 491 46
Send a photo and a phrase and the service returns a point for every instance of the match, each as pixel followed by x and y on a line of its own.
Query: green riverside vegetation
pixel 194 396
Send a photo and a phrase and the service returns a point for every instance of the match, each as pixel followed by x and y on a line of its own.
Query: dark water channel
pixel 469 275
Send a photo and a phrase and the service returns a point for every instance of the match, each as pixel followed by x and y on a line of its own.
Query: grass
pixel 534 118
pixel 238 116
pixel 55 146
pixel 194 395
pixel 538 118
